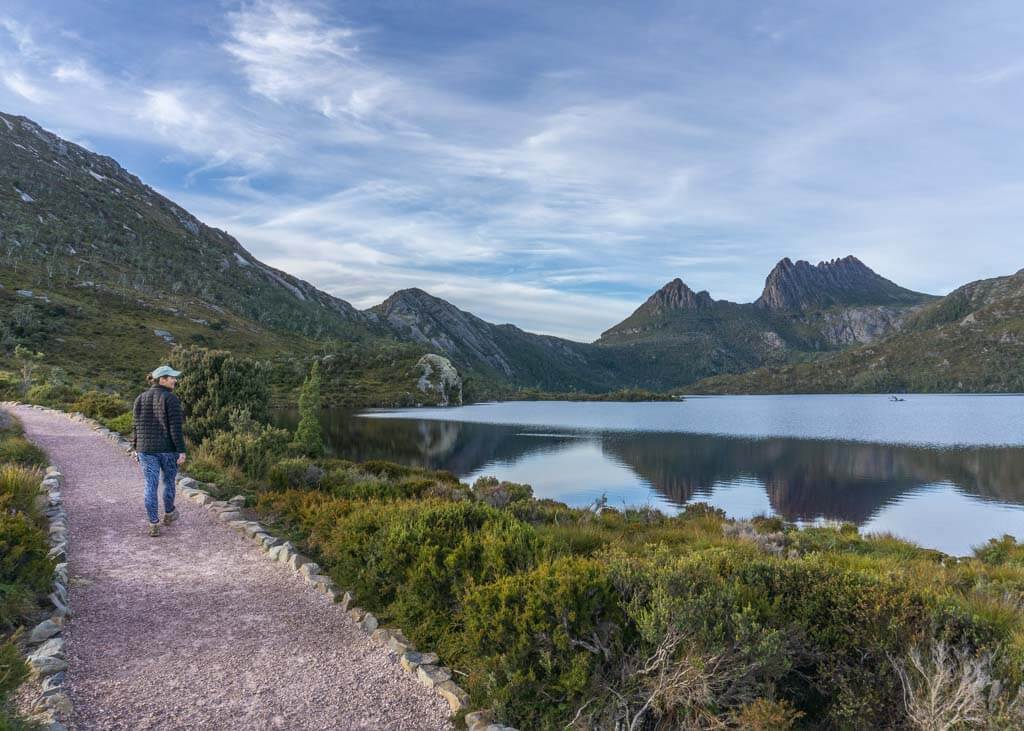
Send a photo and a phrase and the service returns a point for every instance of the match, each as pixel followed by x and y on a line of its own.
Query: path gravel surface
pixel 195 629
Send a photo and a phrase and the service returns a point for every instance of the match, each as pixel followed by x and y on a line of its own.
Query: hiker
pixel 157 440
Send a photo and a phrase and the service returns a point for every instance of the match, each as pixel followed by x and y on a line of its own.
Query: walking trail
pixel 195 629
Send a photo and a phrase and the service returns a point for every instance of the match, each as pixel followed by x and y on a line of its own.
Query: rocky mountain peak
pixel 675 296
pixel 846 281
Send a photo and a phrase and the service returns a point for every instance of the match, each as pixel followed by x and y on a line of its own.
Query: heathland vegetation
pixel 558 617
pixel 25 567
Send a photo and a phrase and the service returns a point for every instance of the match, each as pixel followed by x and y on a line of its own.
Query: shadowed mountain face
pixel 846 281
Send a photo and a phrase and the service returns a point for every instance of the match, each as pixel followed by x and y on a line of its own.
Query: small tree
pixel 27 361
pixel 216 382
pixel 309 435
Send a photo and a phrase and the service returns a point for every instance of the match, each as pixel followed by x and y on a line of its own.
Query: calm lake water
pixel 945 471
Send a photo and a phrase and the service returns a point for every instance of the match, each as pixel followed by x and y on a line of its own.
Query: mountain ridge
pixel 94 252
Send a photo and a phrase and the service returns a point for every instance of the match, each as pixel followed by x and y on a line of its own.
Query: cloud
pixel 288 54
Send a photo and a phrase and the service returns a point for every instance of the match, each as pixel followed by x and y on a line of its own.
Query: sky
pixel 551 164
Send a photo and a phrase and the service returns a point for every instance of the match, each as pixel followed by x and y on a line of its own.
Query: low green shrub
pixel 13 672
pixel 54 395
pixel 542 639
pixel 498 494
pixel 10 385
pixel 25 569
pixel 295 472
pixel 99 405
pixel 121 423
pixel 19 487
pixel 250 446
pixel 15 449
pixel 1001 551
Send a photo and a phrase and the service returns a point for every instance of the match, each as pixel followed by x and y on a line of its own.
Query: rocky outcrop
pixel 440 378
pixel 675 296
pixel 858 325
pixel 846 281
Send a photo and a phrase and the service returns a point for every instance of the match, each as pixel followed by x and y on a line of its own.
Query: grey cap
pixel 164 370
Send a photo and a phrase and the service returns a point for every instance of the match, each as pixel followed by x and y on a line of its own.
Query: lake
pixel 945 471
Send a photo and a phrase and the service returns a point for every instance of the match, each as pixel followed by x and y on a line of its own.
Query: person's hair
pixel 149 379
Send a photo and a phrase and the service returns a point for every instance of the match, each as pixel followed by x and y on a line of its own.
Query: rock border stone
pixel 425 667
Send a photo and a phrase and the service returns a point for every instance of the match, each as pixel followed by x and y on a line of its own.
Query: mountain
pixel 844 282
pixel 679 336
pixel 971 340
pixel 498 353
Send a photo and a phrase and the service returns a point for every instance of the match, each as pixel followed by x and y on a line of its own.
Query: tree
pixel 216 382
pixel 309 435
pixel 27 361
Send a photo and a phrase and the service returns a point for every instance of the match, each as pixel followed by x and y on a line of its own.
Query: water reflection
pixel 948 498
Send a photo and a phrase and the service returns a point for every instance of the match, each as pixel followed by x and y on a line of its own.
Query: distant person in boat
pixel 158 440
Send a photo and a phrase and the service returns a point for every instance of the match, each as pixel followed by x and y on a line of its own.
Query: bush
pixel 121 423
pixel 499 494
pixel 54 395
pixel 25 569
pixel 542 639
pixel 13 672
pixel 295 473
pixel 9 386
pixel 99 405
pixel 20 451
pixel 250 446
pixel 19 487
pixel 216 383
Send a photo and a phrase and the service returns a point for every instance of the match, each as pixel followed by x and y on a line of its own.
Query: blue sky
pixel 552 163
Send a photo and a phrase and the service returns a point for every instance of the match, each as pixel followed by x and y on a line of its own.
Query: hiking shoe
pixel 170 517
pixel 154 529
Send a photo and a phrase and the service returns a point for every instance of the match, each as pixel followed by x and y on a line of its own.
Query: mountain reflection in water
pixel 949 498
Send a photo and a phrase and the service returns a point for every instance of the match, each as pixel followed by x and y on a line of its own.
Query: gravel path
pixel 195 629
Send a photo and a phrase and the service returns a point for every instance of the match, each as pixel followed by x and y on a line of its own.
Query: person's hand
pixel 181 458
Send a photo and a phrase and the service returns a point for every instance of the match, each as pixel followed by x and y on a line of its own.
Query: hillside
pixel 971 340
pixel 498 354
pixel 103 274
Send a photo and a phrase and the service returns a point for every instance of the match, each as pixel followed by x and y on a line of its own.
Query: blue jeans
pixel 152 464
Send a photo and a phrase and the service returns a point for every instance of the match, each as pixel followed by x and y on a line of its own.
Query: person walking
pixel 158 441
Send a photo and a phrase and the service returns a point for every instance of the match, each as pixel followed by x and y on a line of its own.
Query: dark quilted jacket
pixel 158 420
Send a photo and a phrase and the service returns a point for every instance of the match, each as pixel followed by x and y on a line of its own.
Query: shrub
pixel 9 386
pixel 99 405
pixel 25 568
pixel 121 423
pixel 1001 551
pixel 499 494
pixel 542 638
pixel 13 672
pixel 54 395
pixel 20 451
pixel 216 383
pixel 18 488
pixel 295 473
pixel 250 446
